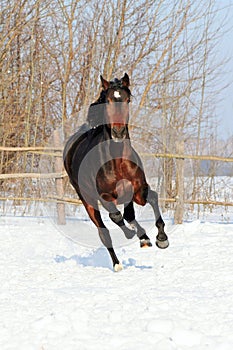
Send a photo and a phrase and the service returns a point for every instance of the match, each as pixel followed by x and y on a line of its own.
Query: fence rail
pixel 58 153
pixel 187 156
pixel 59 174
pixel 78 201
pixel 39 150
pixel 33 176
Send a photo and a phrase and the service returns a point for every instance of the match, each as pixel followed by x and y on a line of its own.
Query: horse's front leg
pixel 105 237
pixel 161 238
pixel 129 216
pixel 116 216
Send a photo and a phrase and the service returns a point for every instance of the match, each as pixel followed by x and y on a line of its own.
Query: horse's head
pixel 117 98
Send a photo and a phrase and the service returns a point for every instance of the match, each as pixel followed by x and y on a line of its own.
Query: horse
pixel 104 168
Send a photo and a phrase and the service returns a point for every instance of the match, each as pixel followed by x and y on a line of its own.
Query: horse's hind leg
pixel 129 216
pixel 161 238
pixel 105 237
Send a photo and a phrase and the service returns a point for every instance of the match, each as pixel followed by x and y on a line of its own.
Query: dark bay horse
pixel 103 167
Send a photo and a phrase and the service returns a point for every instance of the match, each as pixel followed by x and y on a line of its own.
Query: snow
pixel 57 294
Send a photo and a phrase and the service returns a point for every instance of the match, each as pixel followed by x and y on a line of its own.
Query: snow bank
pixel 56 294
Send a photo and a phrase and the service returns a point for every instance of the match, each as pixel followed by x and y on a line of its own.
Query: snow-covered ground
pixel 56 294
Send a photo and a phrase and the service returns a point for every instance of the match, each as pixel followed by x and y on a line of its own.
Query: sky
pixel 224 109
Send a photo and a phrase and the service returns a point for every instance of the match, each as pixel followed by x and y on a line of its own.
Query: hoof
pixel 162 244
pixel 118 267
pixel 145 243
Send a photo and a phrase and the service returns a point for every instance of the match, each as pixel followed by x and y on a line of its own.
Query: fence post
pixel 179 210
pixel 61 217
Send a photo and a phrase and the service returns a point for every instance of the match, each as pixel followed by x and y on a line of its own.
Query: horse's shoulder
pixel 76 138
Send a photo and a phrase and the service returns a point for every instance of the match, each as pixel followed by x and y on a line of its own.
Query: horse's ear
pixel 125 80
pixel 105 83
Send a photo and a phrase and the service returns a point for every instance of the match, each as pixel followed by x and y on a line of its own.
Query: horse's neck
pixel 116 149
pixel 95 114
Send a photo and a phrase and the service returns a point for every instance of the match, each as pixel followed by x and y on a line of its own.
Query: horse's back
pixel 78 146
pixel 72 144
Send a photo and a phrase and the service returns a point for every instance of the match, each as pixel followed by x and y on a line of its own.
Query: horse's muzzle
pixel 118 133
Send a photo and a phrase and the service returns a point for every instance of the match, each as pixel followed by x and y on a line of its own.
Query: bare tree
pixel 52 53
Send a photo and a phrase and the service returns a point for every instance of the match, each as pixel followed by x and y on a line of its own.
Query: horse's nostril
pixel 119 132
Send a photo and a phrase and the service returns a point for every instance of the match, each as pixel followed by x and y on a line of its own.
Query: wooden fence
pixel 60 174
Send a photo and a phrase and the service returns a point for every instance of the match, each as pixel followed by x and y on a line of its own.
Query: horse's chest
pixel 118 170
pixel 116 176
pixel 116 181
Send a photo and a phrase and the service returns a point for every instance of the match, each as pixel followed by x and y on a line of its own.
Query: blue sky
pixel 224 109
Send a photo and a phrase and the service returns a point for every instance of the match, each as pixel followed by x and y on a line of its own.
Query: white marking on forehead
pixel 117 94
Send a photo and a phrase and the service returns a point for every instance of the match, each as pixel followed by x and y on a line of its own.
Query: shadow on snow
pixel 99 258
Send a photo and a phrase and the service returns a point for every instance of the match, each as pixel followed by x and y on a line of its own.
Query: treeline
pixel 53 51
